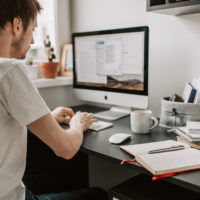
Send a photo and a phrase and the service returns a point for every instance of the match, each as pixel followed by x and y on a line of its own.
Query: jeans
pixel 81 194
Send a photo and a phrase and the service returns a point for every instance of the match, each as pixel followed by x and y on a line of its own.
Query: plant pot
pixel 49 69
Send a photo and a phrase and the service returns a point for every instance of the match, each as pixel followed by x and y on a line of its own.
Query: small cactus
pixel 49 50
pixel 29 61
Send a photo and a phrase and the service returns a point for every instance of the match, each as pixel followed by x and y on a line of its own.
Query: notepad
pixel 165 162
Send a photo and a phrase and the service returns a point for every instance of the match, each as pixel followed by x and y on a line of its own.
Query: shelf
pixel 178 8
pixel 58 81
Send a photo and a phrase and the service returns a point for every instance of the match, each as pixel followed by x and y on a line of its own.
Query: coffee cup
pixel 142 121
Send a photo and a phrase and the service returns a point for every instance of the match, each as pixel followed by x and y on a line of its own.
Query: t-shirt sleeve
pixel 21 99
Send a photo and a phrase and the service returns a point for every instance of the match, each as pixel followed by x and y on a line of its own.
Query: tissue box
pixel 177 113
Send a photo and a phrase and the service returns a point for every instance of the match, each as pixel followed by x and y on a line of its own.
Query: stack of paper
pixel 191 132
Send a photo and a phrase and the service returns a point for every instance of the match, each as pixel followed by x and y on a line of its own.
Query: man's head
pixel 19 18
pixel 25 9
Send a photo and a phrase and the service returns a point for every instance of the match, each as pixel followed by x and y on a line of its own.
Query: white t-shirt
pixel 20 104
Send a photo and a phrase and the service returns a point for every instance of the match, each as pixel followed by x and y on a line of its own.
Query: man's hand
pixel 82 120
pixel 62 114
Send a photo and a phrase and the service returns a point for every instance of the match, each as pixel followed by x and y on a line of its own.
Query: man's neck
pixel 5 45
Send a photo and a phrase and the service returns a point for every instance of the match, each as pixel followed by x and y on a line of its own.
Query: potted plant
pixel 32 68
pixel 50 68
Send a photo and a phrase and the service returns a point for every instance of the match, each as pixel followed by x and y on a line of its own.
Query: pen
pixel 172 148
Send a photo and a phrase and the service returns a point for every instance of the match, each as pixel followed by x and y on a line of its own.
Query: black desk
pixel 96 143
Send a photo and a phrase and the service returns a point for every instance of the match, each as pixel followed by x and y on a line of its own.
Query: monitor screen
pixel 112 60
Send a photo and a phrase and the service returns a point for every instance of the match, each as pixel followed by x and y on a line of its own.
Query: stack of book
pixel 190 132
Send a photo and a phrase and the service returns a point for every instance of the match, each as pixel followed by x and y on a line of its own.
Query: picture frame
pixel 66 64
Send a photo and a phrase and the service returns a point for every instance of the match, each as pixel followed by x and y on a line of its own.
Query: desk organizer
pixel 178 113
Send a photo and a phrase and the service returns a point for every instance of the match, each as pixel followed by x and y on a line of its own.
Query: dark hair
pixel 25 9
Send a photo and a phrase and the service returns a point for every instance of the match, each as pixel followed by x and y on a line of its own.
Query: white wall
pixel 63 23
pixel 174 51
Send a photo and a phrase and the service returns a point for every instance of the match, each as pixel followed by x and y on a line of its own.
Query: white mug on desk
pixel 141 121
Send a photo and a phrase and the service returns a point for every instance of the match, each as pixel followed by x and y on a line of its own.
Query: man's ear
pixel 17 25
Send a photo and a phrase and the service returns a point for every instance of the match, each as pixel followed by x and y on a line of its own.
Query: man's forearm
pixel 64 143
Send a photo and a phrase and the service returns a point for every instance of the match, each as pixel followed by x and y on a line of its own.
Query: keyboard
pixel 100 125
pixel 110 115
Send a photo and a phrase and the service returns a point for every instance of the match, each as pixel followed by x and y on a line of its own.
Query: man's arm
pixel 64 143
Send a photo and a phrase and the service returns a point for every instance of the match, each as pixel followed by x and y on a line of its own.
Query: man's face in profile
pixel 20 47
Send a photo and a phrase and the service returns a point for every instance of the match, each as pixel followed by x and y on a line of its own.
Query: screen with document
pixel 112 60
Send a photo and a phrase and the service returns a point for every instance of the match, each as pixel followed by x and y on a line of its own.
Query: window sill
pixel 58 81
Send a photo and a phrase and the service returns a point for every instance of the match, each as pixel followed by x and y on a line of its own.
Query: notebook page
pixel 174 161
pixel 139 149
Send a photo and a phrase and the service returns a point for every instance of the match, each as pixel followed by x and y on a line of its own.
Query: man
pixel 21 107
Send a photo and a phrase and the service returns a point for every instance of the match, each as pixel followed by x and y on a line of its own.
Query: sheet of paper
pixel 194 134
pixel 193 125
pixel 139 149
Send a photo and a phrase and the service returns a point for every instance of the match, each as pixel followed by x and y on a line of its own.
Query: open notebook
pixel 165 163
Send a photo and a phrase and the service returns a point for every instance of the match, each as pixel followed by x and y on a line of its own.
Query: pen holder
pixel 175 114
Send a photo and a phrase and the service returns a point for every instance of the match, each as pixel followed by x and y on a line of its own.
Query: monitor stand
pixel 114 113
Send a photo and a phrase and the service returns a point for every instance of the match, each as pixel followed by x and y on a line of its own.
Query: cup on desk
pixel 142 121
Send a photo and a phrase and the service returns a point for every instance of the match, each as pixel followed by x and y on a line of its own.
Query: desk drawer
pixel 142 187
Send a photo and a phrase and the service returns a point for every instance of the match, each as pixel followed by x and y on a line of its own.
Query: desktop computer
pixel 111 67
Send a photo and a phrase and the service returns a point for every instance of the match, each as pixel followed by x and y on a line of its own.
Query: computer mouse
pixel 118 138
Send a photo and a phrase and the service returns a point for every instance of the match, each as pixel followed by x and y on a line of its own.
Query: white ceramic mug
pixel 141 121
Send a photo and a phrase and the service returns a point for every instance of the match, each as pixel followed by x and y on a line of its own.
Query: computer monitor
pixel 111 67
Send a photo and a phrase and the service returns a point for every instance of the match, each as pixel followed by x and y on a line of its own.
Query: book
pixel 189 93
pixel 191 144
pixel 165 163
pixel 189 135
pixel 193 125
pixel 196 84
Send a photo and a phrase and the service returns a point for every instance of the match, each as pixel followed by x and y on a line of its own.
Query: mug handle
pixel 155 122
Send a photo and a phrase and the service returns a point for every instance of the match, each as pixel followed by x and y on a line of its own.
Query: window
pixel 46 26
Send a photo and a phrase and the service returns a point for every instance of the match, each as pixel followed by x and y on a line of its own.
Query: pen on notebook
pixel 173 148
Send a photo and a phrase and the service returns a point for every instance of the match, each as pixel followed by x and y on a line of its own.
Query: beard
pixel 18 51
